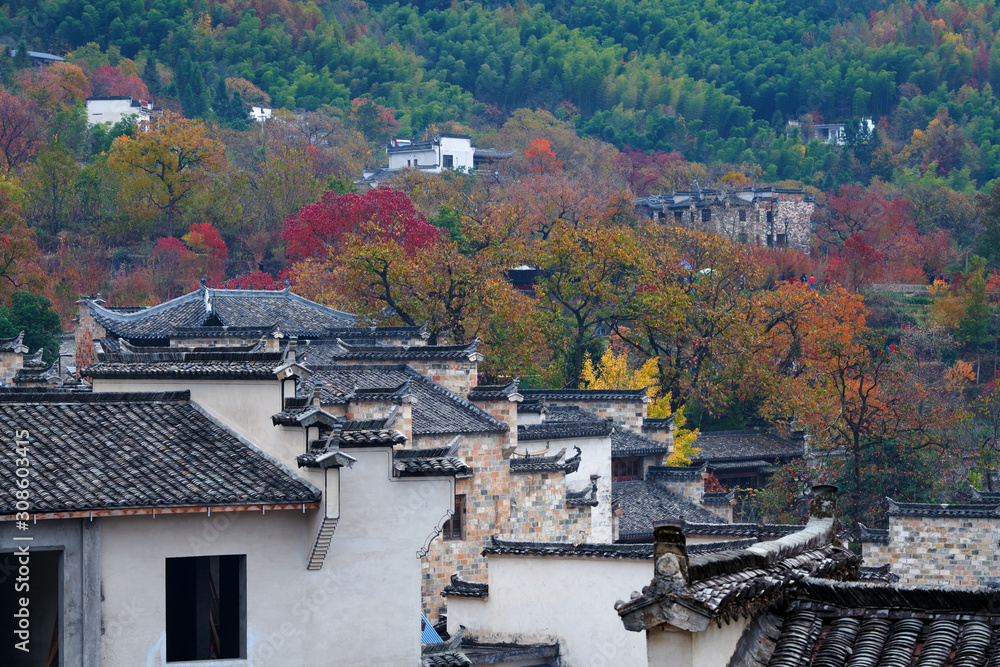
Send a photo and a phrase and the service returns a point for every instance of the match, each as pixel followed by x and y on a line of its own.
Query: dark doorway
pixel 39 586
pixel 206 608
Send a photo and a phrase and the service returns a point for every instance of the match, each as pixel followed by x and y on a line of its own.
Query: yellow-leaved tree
pixel 613 372
pixel 684 439
pixel 162 168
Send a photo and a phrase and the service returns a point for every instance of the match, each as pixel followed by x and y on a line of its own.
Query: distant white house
pixel 832 133
pixel 443 152
pixel 260 114
pixel 113 109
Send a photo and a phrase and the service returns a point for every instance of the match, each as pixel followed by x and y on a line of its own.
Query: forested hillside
pixel 716 81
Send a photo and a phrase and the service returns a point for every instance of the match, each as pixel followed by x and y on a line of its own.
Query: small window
pixel 678 217
pixel 770 240
pixel 626 468
pixel 454 528
pixel 743 216
pixel 448 161
pixel 706 215
pixel 782 240
pixel 742 237
pixel 770 216
pixel 206 609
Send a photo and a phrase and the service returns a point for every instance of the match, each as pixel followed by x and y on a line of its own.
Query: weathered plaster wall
pixel 711 648
pixel 572 599
pixel 368 589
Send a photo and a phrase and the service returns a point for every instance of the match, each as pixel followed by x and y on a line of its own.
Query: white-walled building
pixel 112 110
pixel 444 152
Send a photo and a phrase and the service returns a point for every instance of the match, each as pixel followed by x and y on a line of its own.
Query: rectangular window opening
pixel 782 240
pixel 206 608
pixel 706 215
pixel 624 469
pixel 454 528
pixel 448 161
pixel 743 216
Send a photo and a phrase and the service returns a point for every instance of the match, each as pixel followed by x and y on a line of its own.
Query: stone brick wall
pixel 692 489
pixel 458 376
pixel 87 330
pixel 539 513
pixel 940 551
pixel 10 363
pixel 487 513
pixel 792 216
pixel 506 411
pixel 627 413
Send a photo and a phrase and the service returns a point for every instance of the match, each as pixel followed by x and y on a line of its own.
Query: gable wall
pixel 627 413
pixel 940 551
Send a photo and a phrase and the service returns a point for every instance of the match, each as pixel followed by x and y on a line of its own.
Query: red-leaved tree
pixel 541 158
pixel 858 266
pixel 381 213
pixel 257 280
pixel 110 81
pixel 21 128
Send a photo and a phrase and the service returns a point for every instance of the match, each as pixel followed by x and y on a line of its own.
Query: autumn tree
pixel 21 130
pixel 111 81
pixel 51 192
pixel 19 256
pixel 853 211
pixel 162 169
pixel 867 398
pixel 381 213
pixel 858 266
pixel 541 158
pixel 582 272
pixel 373 120
pixel 686 308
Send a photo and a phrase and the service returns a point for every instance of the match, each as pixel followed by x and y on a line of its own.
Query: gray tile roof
pixel 730 445
pixel 585 395
pixel 726 585
pixel 434 462
pixel 872 535
pixel 863 623
pixel 437 410
pixel 504 547
pixel 326 352
pixel 15 344
pixel 217 363
pixel 465 589
pixel 563 414
pixel 493 392
pixel 642 502
pixel 976 510
pixel 251 309
pixel 562 431
pixel 755 530
pixel 108 451
pixel 555 463
pixel 626 442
